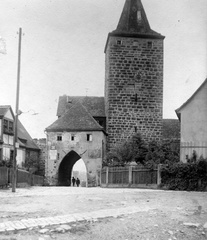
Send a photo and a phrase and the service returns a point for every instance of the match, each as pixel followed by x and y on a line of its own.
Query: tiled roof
pixel 171 129
pixel 23 134
pixel 77 118
pixel 134 19
pixel 94 105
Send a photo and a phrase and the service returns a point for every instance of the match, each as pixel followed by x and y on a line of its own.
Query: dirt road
pixel 158 215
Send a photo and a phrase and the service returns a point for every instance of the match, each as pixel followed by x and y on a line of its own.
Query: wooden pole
pixel 14 176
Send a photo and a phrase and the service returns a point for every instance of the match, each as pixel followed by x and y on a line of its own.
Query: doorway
pixel 65 168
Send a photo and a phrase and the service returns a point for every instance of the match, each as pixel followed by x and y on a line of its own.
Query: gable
pixel 77 118
pixel 6 111
pixel 199 98
pixel 9 115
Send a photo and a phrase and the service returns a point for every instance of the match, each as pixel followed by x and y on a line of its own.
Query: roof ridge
pixel 78 102
pixel 190 98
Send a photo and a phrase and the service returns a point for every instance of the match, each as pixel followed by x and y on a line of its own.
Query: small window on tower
pixel 59 137
pixel 72 137
pixel 149 44
pixel 139 16
pixel 89 137
pixel 119 42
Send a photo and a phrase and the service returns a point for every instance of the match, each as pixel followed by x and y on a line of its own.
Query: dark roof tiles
pixel 76 118
pixel 134 20
pixel 94 105
pixel 23 134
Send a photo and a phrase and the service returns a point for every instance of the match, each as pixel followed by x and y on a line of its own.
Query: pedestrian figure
pixel 73 181
pixel 77 182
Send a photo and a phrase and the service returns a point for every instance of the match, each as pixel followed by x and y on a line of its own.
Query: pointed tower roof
pixel 134 23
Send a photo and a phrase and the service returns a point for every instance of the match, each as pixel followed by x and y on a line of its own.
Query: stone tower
pixel 134 77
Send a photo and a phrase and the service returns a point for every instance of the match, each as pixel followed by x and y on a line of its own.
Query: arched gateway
pixel 65 168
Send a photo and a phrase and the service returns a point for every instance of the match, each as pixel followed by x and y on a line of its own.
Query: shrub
pixel 185 176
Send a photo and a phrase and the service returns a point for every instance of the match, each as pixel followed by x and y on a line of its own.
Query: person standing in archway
pixel 73 181
pixel 77 182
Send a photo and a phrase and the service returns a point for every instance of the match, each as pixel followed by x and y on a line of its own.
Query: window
pixel 59 137
pixel 136 98
pixel 58 156
pixel 11 127
pixel 118 42
pixel 72 137
pixel 149 44
pixel 89 137
pixel 8 127
pixel 139 16
pixel 5 125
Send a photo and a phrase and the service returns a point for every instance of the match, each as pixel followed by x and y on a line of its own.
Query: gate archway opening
pixel 80 171
pixel 65 168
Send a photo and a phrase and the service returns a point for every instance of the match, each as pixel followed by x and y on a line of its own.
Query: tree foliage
pixel 135 149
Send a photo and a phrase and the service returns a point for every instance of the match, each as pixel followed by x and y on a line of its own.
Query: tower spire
pixel 134 20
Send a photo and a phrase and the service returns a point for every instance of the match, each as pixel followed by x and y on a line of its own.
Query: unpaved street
pixel 155 214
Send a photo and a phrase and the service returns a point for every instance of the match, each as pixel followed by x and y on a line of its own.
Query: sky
pixel 63 52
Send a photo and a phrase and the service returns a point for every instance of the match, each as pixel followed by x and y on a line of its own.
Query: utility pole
pixel 14 176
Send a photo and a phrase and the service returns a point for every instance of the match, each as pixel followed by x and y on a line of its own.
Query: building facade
pixel 78 133
pixel 133 77
pixel 6 135
pixel 193 118
pixel 27 152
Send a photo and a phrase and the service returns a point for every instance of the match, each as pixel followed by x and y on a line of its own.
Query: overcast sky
pixel 63 51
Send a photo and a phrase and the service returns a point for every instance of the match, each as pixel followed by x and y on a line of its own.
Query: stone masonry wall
pixel 90 152
pixel 134 88
pixel 41 143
